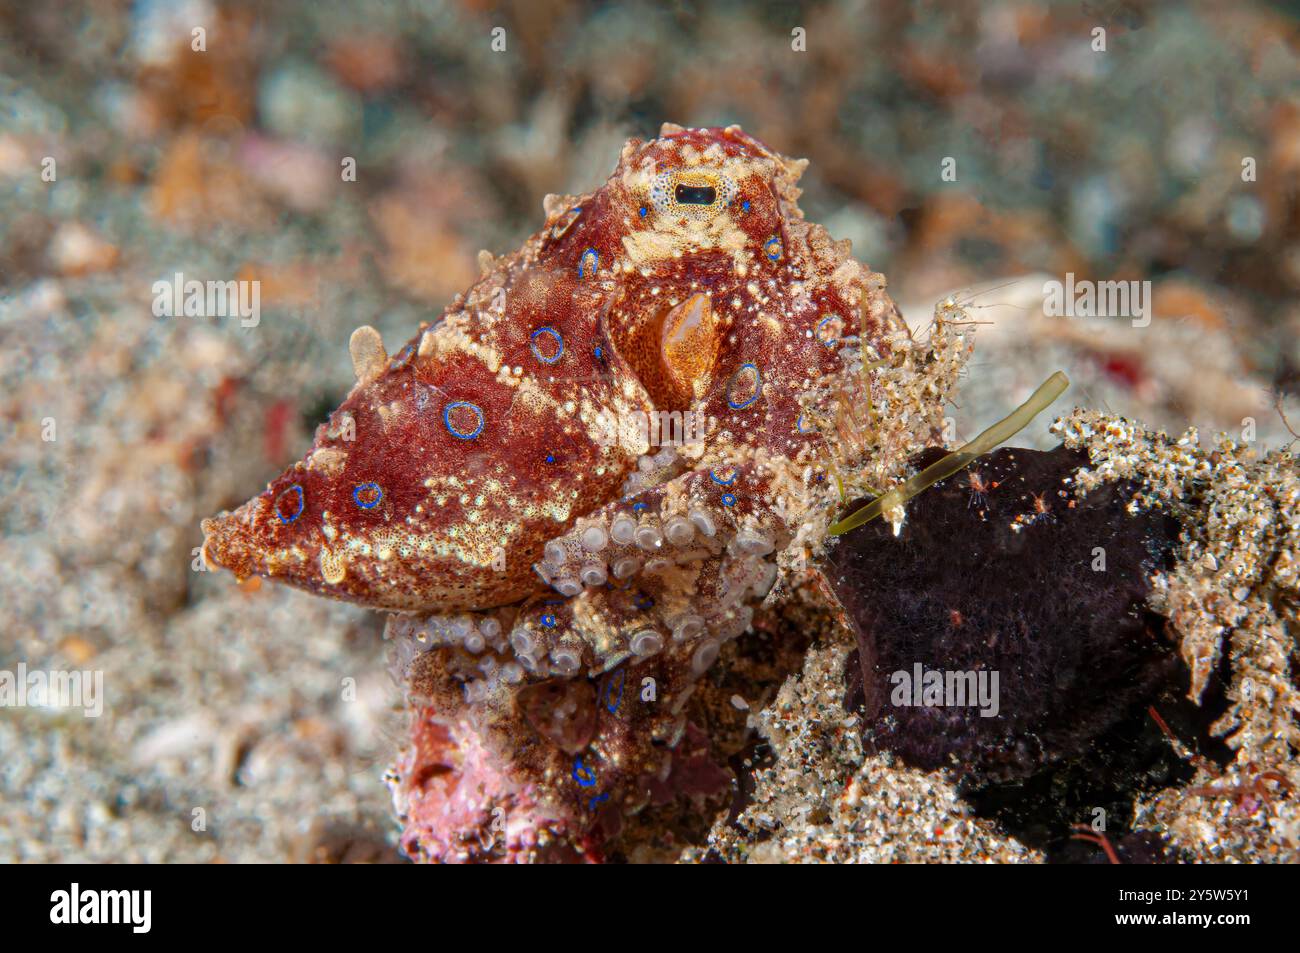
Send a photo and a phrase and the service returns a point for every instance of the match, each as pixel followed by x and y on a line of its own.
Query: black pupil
pixel 696 194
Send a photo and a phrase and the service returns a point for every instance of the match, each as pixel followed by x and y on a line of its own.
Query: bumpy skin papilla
pixel 512 481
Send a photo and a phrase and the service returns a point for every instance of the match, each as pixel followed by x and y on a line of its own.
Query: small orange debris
pixel 77 650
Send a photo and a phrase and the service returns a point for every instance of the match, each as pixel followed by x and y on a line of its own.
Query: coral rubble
pixel 1233 598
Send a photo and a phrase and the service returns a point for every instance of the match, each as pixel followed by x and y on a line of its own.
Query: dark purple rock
pixel 1074 648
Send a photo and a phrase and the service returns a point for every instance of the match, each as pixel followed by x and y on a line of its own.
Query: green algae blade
pixel 1000 432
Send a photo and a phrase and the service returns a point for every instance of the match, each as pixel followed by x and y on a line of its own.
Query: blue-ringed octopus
pixel 575 486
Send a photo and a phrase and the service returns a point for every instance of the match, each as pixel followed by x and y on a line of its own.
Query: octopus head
pixel 695 193
pixel 687 220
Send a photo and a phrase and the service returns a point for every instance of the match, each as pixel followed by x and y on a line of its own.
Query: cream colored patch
pixel 671 238
pixel 332 566
pixel 533 400
pixel 342 425
pixel 771 326
pixel 595 630
pixel 450 339
pixel 553 206
pixel 389 412
pixel 847 276
pixel 327 460
pixel 368 354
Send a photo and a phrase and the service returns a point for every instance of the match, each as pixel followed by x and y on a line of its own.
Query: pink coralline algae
pixel 576 486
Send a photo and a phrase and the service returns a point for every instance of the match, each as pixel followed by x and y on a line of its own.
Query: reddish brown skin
pixel 616 312
pixel 704 264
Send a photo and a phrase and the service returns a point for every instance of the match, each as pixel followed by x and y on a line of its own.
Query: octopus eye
pixel 695 195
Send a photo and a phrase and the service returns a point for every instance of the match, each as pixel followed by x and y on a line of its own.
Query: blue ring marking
pixel 643 210
pixel 829 342
pixel 595 261
pixel 302 503
pixel 583 776
pixel 799 427
pixel 550 458
pixel 774 240
pixel 728 499
pixel 548 620
pixel 638 507
pixel 559 341
pixel 758 388
pixel 602 796
pixel 714 476
pixel 642 601
pixel 446 419
pixel 356 495
pixel 621 678
pixel 600 353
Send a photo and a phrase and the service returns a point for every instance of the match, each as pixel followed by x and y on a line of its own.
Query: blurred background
pixel 1133 140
